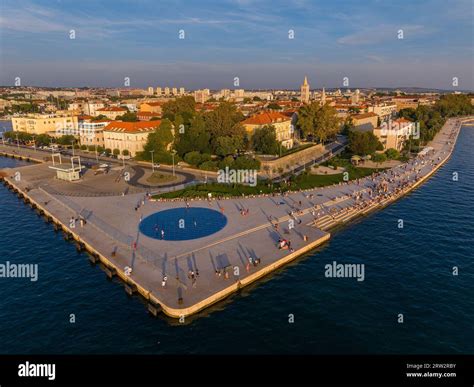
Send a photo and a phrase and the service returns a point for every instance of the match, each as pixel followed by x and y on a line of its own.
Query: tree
pixel 379 157
pixel 228 145
pixel 193 158
pixel 116 152
pixel 99 117
pixel 128 117
pixel 224 122
pixel 179 106
pixel 348 125
pixel 274 106
pixel 108 151
pixel 194 138
pixel 66 139
pixel 43 139
pixel 392 154
pixel 264 140
pixel 363 143
pixel 83 147
pixel 159 142
pixel 91 148
pixel 125 152
pixel 319 122
pixel 257 98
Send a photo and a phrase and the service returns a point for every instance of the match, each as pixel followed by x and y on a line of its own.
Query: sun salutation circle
pixel 179 224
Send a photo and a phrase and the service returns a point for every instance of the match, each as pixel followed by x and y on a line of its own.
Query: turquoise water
pixel 407 271
pixel 179 224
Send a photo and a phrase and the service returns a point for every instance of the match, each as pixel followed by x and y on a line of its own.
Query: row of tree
pixel 204 139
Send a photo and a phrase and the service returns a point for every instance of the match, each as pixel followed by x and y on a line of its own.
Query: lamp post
pixel 173 153
pixel 34 142
pixel 96 155
pixel 152 163
pixel 17 142
pixel 72 142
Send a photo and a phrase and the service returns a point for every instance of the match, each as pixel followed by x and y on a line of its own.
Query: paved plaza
pixel 197 269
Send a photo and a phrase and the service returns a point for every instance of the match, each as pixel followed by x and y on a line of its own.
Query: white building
pixel 201 96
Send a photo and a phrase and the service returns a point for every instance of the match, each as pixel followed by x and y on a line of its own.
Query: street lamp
pixel 152 163
pixel 96 155
pixel 173 153
pixel 17 142
pixel 34 142
pixel 72 142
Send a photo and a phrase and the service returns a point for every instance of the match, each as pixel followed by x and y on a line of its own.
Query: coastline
pixel 132 285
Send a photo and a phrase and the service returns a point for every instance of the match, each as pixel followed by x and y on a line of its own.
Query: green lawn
pixel 304 181
pixel 160 178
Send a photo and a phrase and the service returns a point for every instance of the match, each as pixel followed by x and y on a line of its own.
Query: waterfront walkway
pixel 196 273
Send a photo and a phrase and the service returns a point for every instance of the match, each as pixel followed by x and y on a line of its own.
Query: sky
pixel 247 39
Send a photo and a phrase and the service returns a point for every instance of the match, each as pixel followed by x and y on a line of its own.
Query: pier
pixel 200 272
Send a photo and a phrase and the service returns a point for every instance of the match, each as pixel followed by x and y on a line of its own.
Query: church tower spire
pixel 305 91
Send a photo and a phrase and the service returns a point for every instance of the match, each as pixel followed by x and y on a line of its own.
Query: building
pixel 46 124
pixel 181 91
pixel 239 93
pixel 150 90
pixel 167 91
pixel 130 106
pixel 91 133
pixel 201 96
pixel 281 122
pixel 385 111
pixel 356 97
pixel 146 116
pixel 128 135
pixel 394 133
pixel 86 107
pixel 411 101
pixel 365 121
pixel 305 91
pixel 112 112
pixel 152 107
pixel 174 91
pixel 158 91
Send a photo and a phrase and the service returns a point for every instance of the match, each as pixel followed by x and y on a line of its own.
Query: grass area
pixel 303 181
pixel 217 190
pixel 307 181
pixel 159 178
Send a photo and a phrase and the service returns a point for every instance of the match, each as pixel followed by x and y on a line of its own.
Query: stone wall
pixel 292 160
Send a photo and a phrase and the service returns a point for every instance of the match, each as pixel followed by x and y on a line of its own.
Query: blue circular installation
pixel 179 224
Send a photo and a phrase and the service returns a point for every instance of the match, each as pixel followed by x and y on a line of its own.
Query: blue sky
pixel 248 39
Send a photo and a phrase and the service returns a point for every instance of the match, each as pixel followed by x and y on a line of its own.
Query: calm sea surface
pixel 407 271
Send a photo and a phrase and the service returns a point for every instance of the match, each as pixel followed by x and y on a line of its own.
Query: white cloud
pixel 382 33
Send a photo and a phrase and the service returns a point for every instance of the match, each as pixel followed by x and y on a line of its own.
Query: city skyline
pixel 245 39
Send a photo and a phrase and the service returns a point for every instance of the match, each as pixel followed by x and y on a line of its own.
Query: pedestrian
pixel 162 234
pixel 163 282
